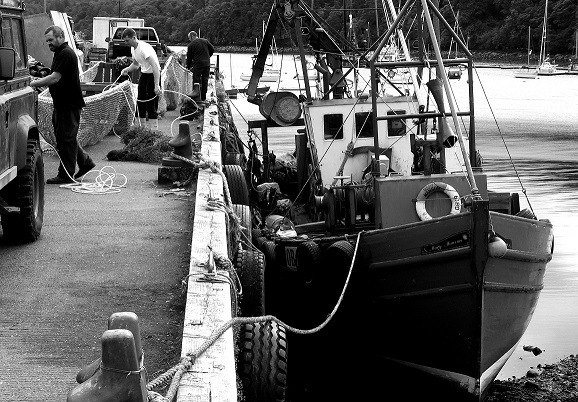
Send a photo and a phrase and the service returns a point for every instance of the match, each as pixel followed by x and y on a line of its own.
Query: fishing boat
pixel 545 67
pixel 527 71
pixel 387 227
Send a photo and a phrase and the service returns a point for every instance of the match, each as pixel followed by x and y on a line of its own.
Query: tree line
pixel 496 25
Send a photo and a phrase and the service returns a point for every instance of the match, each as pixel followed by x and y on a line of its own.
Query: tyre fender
pixel 308 260
pixel 262 362
pixel 436 187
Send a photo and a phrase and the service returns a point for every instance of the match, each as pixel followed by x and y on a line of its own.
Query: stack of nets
pixel 112 110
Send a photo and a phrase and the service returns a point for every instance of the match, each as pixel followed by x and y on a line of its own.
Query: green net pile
pixel 143 145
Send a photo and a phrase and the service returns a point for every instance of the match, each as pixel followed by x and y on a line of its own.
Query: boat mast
pixel 528 46
pixel 544 32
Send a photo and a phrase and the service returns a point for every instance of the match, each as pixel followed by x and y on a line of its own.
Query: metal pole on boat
pixel 407 55
pixel 435 45
pixel 376 21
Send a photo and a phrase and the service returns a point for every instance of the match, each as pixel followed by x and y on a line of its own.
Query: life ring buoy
pixel 435 187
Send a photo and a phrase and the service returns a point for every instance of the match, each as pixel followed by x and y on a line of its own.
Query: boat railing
pixel 418 63
pixel 424 115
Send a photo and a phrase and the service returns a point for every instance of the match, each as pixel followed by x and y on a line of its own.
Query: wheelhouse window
pixel 364 124
pixel 396 127
pixel 333 126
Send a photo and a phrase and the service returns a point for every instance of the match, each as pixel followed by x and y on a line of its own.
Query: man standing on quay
pixel 64 86
pixel 149 84
pixel 199 53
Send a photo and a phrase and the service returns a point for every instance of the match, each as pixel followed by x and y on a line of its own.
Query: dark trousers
pixel 201 76
pixel 147 101
pixel 66 123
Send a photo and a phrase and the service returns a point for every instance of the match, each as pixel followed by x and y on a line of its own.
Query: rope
pixel 104 183
pixel 127 372
pixel 176 372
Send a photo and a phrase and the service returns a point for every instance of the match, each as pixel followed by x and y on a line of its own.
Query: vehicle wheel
pixel 263 362
pixel 237 184
pixel 250 267
pixel 235 158
pixel 27 193
pixel 244 213
pixel 308 260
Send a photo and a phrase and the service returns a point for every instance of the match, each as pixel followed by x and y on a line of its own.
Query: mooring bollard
pixel 120 377
pixel 122 320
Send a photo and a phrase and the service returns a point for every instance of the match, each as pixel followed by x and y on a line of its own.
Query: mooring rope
pixel 175 373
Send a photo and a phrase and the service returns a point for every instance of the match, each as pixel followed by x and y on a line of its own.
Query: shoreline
pixel 482 58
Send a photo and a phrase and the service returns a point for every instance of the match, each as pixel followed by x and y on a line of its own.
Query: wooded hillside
pixel 487 24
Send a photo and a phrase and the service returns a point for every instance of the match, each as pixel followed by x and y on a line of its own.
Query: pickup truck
pixel 21 162
pixel 118 48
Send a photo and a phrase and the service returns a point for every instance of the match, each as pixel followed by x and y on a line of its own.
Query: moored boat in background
pixel 545 67
pixel 527 71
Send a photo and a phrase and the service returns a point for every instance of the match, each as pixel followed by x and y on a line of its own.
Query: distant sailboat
pixel 544 65
pixel 526 71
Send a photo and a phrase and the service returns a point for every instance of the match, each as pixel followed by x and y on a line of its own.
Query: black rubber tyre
pixel 256 232
pixel 263 362
pixel 250 267
pixel 268 249
pixel 258 241
pixel 27 193
pixel 244 212
pixel 237 184
pixel 338 259
pixel 235 158
pixel 308 260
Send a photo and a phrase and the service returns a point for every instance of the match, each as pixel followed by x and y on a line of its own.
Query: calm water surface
pixel 538 122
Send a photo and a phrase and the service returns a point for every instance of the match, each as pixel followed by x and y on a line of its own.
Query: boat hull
pixel 457 312
pixel 528 74
pixel 439 311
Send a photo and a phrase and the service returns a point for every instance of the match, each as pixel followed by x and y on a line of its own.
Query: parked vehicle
pixel 105 27
pixel 21 162
pixel 118 48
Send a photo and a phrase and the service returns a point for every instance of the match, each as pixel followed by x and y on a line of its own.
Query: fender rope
pixel 176 372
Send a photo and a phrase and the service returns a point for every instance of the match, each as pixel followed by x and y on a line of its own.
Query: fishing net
pixel 113 109
pixel 177 82
pixel 142 144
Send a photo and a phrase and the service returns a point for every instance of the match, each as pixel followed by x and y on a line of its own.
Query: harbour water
pixel 538 122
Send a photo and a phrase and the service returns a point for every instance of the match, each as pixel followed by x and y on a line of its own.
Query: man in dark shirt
pixel 64 86
pixel 199 53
